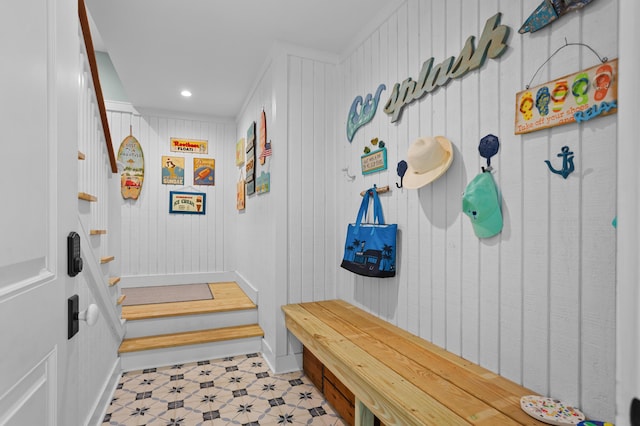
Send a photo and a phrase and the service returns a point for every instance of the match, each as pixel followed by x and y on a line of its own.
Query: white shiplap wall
pixel 154 242
pixel 536 303
pixel 280 240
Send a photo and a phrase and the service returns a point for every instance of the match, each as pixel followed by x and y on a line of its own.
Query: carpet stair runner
pixel 176 332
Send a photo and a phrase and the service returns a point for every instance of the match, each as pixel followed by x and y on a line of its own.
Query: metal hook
pixel 401 169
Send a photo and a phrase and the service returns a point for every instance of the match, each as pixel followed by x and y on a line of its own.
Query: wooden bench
pixel 399 377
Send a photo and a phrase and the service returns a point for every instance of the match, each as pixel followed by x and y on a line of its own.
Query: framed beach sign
pixel 187 202
pixel 576 97
pixel 374 161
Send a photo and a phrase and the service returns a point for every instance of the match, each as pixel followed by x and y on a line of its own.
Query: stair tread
pixel 190 338
pixel 227 296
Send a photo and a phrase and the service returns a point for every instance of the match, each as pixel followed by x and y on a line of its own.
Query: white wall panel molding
pixel 34 396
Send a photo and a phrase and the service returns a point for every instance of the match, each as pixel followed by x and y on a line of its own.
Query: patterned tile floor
pixel 236 390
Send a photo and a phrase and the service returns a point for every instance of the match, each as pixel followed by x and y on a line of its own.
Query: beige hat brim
pixel 414 180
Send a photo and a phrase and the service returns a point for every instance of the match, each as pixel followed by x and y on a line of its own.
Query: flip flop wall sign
pixel 548 11
pixel 573 98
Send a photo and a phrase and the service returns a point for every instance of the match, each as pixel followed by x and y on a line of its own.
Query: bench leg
pixel 364 417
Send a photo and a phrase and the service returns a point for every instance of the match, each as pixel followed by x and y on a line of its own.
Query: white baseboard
pixel 102 403
pixel 288 363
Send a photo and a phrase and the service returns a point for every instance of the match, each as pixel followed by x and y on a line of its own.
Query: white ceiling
pixel 216 48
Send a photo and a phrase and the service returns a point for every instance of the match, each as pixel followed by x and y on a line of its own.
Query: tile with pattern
pixel 238 390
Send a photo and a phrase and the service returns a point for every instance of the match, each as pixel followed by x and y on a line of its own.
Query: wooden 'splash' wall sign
pixel 492 44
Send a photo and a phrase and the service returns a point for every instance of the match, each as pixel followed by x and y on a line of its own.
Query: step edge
pixel 254 331
pixel 165 314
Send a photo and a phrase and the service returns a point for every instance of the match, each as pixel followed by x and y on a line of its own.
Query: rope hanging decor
pixel 602 59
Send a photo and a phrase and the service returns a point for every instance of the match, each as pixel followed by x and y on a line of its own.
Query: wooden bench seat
pixel 401 378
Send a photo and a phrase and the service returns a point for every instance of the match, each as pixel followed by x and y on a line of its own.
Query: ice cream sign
pixel 187 202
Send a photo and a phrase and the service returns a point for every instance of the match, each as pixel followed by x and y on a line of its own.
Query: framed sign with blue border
pixel 187 202
pixel 374 161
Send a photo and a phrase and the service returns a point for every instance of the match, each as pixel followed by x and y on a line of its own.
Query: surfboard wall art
pixel 131 159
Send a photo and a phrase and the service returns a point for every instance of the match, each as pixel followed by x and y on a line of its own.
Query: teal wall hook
pixel 567 163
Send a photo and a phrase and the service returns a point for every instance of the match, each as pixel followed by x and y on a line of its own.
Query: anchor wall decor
pixel 362 112
pixel 567 163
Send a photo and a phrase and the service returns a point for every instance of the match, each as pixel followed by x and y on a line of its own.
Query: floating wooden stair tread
pixel 80 156
pixel 121 299
pixel 113 281
pixel 227 296
pixel 87 197
pixel 107 259
pixel 97 232
pixel 190 338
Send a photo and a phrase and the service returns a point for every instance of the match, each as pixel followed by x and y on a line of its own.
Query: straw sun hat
pixel 428 158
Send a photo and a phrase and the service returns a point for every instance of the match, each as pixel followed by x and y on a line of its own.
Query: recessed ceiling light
pixel 185 93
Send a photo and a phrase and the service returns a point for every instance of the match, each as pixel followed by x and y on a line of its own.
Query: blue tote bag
pixel 370 248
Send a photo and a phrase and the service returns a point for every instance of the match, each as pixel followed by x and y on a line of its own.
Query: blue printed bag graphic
pixel 370 248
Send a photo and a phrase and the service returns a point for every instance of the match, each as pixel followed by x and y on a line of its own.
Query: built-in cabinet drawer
pixel 337 394
pixel 339 401
pixel 313 368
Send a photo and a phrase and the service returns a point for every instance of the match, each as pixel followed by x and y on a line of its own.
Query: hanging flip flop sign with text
pixel 573 98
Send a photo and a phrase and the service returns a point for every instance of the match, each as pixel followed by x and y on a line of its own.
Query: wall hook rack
pixel 380 190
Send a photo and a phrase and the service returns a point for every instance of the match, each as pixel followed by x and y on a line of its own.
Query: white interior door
pixel 33 315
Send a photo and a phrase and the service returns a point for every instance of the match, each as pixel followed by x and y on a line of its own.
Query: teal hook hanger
pixel 567 163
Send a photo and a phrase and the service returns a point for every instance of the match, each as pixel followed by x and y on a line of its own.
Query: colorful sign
pixel 250 166
pixel 172 170
pixel 240 152
pixel 130 157
pixel 189 145
pixel 374 161
pixel 263 182
pixel 573 98
pixel 187 202
pixel 204 171
pixel 240 198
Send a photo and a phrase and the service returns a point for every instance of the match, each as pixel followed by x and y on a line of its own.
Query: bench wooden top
pixel 402 378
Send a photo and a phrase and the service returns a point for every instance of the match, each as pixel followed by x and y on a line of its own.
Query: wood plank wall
pixel 154 242
pixel 536 303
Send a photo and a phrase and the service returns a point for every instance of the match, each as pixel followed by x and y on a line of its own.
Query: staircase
pixel 170 333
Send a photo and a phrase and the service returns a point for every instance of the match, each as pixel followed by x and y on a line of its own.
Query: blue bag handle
pixel 364 207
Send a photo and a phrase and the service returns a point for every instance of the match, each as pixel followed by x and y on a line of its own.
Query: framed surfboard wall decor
pixel 131 158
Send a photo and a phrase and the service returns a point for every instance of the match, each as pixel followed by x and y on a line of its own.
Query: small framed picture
pixel 187 202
